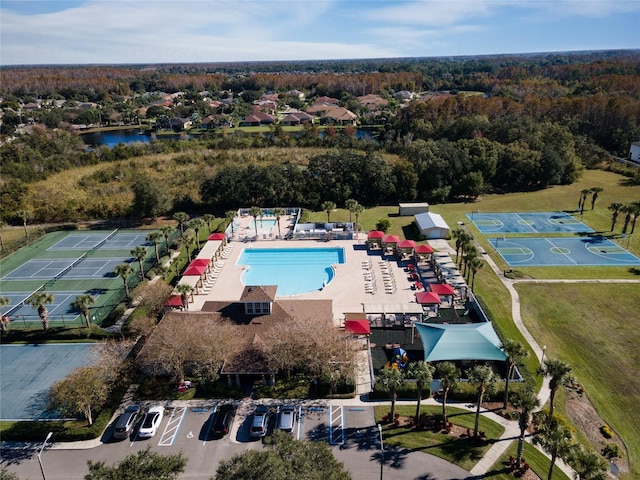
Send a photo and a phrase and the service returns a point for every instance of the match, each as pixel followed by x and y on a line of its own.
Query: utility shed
pixel 431 225
pixel 407 209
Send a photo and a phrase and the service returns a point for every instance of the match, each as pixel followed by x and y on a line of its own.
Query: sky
pixel 34 32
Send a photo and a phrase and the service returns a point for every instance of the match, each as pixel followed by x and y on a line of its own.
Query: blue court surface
pixel 43 269
pixel 583 251
pixel 27 372
pixel 103 241
pixel 59 311
pixel 528 222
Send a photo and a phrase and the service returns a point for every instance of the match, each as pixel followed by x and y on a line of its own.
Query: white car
pixel 151 422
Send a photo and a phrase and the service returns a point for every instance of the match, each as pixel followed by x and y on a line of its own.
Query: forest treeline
pixel 539 122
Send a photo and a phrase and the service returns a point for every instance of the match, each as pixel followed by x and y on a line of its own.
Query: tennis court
pixel 82 267
pixel 27 372
pixel 105 241
pixel 60 311
pixel 527 222
pixel 583 251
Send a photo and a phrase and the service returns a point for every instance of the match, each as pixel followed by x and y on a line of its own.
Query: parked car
pixel 126 422
pixel 286 418
pixel 151 422
pixel 260 423
pixel 222 420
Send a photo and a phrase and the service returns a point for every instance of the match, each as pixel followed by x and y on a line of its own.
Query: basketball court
pixel 562 251
pixel 528 222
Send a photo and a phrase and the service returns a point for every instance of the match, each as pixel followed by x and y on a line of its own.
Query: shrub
pixel 611 450
pixel 606 431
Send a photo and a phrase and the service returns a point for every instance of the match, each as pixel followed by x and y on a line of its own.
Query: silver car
pixel 286 418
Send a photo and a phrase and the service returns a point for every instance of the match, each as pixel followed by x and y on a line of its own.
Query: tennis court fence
pixel 24 301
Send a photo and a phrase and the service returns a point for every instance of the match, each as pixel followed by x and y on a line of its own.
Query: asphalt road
pixel 350 430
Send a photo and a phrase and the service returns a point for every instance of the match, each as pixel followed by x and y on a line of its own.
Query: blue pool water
pixel 294 270
pixel 264 226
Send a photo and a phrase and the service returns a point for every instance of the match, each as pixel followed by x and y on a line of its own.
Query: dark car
pixel 260 423
pixel 126 422
pixel 222 420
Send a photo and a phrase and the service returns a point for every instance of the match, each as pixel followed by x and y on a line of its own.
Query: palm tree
pixel 474 265
pixel 162 271
pixel 350 205
pixel 455 234
pixel 39 301
pixel 185 291
pixel 628 209
pixel 615 209
pixel 4 301
pixel 515 352
pixel 635 210
pixel 448 375
pixel 139 253
pixel 328 207
pixel 197 224
pixel 588 465
pixel 155 237
pixel 423 373
pixel 229 215
pixel 188 242
pixel 595 191
pixel 279 212
pixel 559 373
pixel 124 270
pixel 526 402
pixel 82 303
pixel 208 219
pixel 166 233
pixel 390 380
pixel 255 212
pixel 182 218
pixel 357 210
pixel 462 241
pixel 483 377
pixel 2 225
pixel 470 252
pixel 583 199
pixel 24 215
pixel 556 440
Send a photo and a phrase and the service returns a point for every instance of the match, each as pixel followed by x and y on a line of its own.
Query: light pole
pixel 544 349
pixel 381 451
pixel 44 444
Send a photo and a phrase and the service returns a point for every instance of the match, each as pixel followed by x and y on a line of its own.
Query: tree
pixel 208 220
pixel 155 237
pixel 4 301
pixel 139 253
pixel 39 301
pixel 82 303
pixel 350 205
pixel 197 224
pixel 515 352
pixel 182 218
pixel 627 209
pixel 556 440
pixel 188 242
pixel 284 458
pixel 5 474
pixel 143 464
pixel 166 233
pixel 84 390
pixel 635 211
pixel 483 377
pixel 229 216
pixel 587 464
pixel 278 212
pixel 255 212
pixel 526 402
pixel 559 373
pixel 390 380
pixel 358 210
pixel 448 375
pixel 124 270
pixel 475 264
pixel 384 224
pixel 328 207
pixel 185 291
pixel 150 197
pixel 423 373
pixel 583 199
pixel 24 215
pixel 462 240
pixel 595 191
pixel 2 225
pixel 615 209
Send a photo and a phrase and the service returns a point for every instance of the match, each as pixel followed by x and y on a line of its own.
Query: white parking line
pixel 300 420
pixel 336 432
pixel 173 425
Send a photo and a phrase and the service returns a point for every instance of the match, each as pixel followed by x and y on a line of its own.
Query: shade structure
pixel 174 301
pixel 217 236
pixel 426 298
pixel 197 267
pixel 357 327
pixel 407 244
pixel 423 249
pixel 390 239
pixel 475 341
pixel 375 234
pixel 442 289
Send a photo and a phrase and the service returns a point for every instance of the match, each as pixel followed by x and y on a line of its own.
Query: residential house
pixel 257 118
pixel 296 118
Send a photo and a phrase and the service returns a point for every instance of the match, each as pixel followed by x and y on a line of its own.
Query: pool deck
pixel 347 289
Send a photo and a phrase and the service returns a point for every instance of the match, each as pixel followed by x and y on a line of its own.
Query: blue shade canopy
pixel 471 341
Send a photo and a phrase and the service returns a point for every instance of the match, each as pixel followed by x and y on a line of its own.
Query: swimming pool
pixel 264 226
pixel 294 270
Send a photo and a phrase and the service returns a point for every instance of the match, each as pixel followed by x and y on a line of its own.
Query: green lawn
pixel 537 461
pixel 458 451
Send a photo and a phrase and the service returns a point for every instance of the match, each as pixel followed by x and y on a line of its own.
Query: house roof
pixel 474 341
pixel 407 244
pixel 375 234
pixel 390 239
pixel 258 293
pixel 424 249
pixel 429 220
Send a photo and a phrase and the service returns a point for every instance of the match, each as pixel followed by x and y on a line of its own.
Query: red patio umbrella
pixel 217 236
pixel 422 249
pixel 358 327
pixel 390 239
pixel 427 298
pixel 174 301
pixel 375 234
pixel 407 244
pixel 442 289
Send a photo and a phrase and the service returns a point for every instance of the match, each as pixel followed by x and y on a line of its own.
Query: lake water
pixel 131 135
